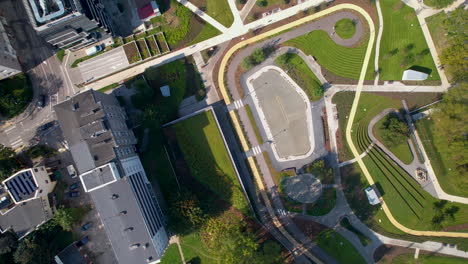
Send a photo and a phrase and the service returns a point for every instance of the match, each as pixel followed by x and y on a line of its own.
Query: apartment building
pixel 9 64
pixel 103 148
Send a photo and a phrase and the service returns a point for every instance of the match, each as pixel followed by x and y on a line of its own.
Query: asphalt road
pixel 104 64
pixel 45 72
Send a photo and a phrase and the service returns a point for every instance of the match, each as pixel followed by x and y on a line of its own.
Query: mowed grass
pixel 402 150
pixel 427 259
pixel 338 247
pixel 298 70
pixel 341 61
pixel 220 10
pixel 449 178
pixel 207 32
pixel 195 251
pixel 345 28
pixel 171 256
pixel 208 159
pixel 402 39
pixel 369 106
pixel 409 203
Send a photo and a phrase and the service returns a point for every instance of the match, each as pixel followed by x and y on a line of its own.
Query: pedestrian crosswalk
pixel 238 104
pixel 16 142
pixel 256 150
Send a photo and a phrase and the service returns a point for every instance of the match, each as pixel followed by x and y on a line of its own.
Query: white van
pixel 93 50
pixel 71 170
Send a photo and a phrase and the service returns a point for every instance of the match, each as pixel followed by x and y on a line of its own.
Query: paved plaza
pixel 284 110
pixel 304 188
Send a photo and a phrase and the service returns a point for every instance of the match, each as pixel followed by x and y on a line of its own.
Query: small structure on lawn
pixel 372 196
pixel 165 91
pixel 412 75
pixel 421 174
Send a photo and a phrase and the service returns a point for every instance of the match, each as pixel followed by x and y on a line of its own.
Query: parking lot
pixel 284 112
pixel 98 248
pixel 104 64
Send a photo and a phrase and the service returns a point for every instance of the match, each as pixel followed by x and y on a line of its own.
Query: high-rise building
pixel 103 148
pixel 9 64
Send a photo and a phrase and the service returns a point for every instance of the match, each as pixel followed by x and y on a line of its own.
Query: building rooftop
pixel 71 255
pixel 21 186
pixel 412 75
pixel 99 177
pixel 25 217
pixel 123 222
pixel 86 129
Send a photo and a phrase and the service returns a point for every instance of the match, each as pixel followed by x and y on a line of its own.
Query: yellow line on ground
pixel 240 133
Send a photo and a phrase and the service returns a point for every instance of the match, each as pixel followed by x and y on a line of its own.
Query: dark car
pixel 41 101
pixel 82 241
pixel 86 226
pixel 74 186
pixel 46 126
pixel 73 194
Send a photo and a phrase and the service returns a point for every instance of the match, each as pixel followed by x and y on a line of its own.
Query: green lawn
pixel 403 44
pixel 402 150
pixel 369 106
pixel 438 4
pixel 408 202
pixel 345 28
pixel 207 157
pixel 60 54
pixel 324 204
pixel 297 68
pixel 427 259
pixel 207 32
pixel 450 179
pixel 171 256
pixel 195 251
pixel 339 60
pixel 220 10
pixel 15 95
pixel 338 247
pixel 182 27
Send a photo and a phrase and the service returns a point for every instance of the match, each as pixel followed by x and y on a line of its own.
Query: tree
pixel 450 121
pixel 262 3
pixel 438 3
pixel 454 54
pixel 6 152
pixel 41 151
pixel 185 210
pixel 395 131
pixel 34 249
pixel 247 63
pixel 68 217
pixel 8 242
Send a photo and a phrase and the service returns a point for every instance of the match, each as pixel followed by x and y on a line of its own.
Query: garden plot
pixel 132 53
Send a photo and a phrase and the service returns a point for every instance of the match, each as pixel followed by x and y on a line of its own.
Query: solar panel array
pixel 22 186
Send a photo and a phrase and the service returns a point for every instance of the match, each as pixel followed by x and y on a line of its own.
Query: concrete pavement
pixel 104 64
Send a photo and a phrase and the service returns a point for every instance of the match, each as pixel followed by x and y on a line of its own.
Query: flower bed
pixel 153 46
pixel 143 48
pixel 132 53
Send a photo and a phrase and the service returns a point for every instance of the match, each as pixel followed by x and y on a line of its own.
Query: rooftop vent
pixel 128 229
pixel 123 213
pixel 114 196
pixel 76 106
pixel 149 259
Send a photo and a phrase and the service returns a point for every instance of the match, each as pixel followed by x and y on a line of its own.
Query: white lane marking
pixel 10 129
pixel 16 142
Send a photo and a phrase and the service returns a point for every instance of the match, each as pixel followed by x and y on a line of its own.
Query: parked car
pixel 86 226
pixel 93 50
pixel 73 194
pixel 74 186
pixel 82 241
pixel 71 171
pixel 41 101
pixel 46 126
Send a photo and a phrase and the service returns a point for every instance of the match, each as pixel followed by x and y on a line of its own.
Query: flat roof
pixel 25 217
pixel 22 185
pixel 99 177
pixel 123 222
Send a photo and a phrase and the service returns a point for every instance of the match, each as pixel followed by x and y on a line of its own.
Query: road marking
pixel 10 129
pixel 278 100
pixel 18 142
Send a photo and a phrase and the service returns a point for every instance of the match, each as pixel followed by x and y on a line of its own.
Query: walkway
pixel 203 15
